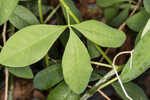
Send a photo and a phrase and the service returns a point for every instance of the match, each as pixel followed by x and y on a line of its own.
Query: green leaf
pixel 95 76
pixel 134 91
pixel 22 17
pixel 62 92
pixel 23 72
pixel 141 60
pixel 146 28
pixel 93 52
pixel 48 77
pixel 118 20
pixel 110 13
pixel 147 5
pixel 29 45
pixel 138 21
pixel 75 11
pixel 76 64
pixel 7 8
pixel 104 3
pixel 101 34
pixel 138 37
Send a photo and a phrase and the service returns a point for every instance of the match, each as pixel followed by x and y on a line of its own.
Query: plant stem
pixel 70 12
pixel 68 18
pixel 101 64
pixel 6 70
pixel 47 60
pixel 51 14
pixel 100 84
pixel 40 11
pixel 10 94
pixel 108 83
pixel 103 54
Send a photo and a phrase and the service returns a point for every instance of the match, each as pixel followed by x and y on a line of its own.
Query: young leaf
pixel 147 5
pixel 48 77
pixel 62 92
pixel 101 34
pixel 76 64
pixel 141 60
pixel 23 72
pixel 22 17
pixel 7 7
pixel 104 3
pixel 138 21
pixel 132 89
pixel 75 11
pixel 29 45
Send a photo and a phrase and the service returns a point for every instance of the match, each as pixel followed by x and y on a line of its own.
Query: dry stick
pixel 102 93
pixel 131 14
pixel 113 64
pixel 6 71
pixel 121 27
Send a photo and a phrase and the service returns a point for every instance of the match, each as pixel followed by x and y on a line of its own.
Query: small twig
pixel 4 33
pixel 6 71
pixel 131 14
pixel 121 27
pixel 102 93
pixel 113 64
